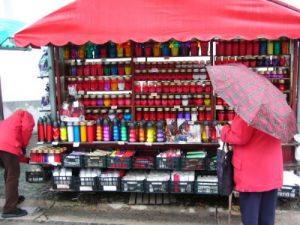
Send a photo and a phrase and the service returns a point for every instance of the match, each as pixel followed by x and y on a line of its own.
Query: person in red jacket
pixel 15 134
pixel 258 170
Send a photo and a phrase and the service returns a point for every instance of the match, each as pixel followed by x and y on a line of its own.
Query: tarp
pixel 99 21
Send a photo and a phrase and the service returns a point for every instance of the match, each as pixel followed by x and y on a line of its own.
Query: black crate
pixel 206 187
pixel 63 182
pixel 119 162
pixel 288 192
pixel 108 183
pixel 182 187
pixel 72 161
pixel 157 186
pixel 38 176
pixel 169 163
pixel 94 161
pixel 146 162
pixel 84 183
pixel 193 164
pixel 132 186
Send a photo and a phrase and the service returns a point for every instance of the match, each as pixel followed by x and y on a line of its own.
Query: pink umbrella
pixel 255 99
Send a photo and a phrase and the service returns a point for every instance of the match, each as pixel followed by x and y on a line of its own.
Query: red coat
pixel 16 132
pixel 257 157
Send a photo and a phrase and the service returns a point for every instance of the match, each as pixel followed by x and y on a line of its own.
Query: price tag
pixel 114 107
pixel 121 143
pixel 109 188
pixel 182 142
pixel 55 143
pixel 76 144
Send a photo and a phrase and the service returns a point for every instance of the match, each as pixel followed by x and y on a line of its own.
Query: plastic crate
pixel 108 183
pixel 132 186
pixel 193 164
pixel 206 187
pixel 94 161
pixel 143 162
pixel 288 192
pixel 157 186
pixel 63 182
pixel 168 163
pixel 84 183
pixel 38 176
pixel 182 186
pixel 119 162
pixel 72 161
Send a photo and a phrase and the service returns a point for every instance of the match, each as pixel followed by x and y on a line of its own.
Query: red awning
pixel 99 21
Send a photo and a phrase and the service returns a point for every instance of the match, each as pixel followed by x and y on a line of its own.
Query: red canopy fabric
pixel 99 21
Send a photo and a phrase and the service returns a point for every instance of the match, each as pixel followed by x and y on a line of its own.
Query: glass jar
pixel 159 114
pixel 177 100
pixel 138 114
pixel 172 87
pixel 107 101
pixel 87 84
pixel 127 68
pixel 201 114
pixel 107 84
pixel 121 84
pixel 187 114
pixel 171 101
pixel 114 84
pixel 173 114
pixel 207 87
pixel 194 114
pixel 113 100
pixel 93 100
pixel 146 114
pixel 199 101
pixel 95 114
pixel 167 113
pixel 121 100
pixel 186 87
pixel 100 83
pixel 99 100
pixel 127 99
pixel 185 100
pixel 166 87
pixel 137 100
pixel 158 87
pixel 180 113
pixel 199 87
pixel 208 114
pixel 207 100
pixel 143 100
pixel 281 85
pixel 94 84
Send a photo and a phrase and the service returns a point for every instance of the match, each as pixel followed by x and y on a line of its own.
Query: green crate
pixel 170 163
pixel 108 183
pixel 72 161
pixel 38 176
pixel 119 162
pixel 288 192
pixel 95 161
pixel 157 186
pixel 193 164
pixel 206 187
pixel 182 186
pixel 132 186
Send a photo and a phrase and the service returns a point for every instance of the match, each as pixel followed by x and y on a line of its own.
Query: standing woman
pixel 258 170
pixel 15 133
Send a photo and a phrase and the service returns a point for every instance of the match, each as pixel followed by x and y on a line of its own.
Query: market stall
pixel 132 92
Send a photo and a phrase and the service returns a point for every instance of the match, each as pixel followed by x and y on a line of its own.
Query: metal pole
pixel 298 90
pixel 1 102
pixel 52 83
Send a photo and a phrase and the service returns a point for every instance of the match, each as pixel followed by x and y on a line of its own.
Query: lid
pixel 139 109
pixel 76 123
pixel 186 109
pixel 152 109
pixel 173 109
pixel 146 109
pixel 99 96
pixel 82 123
pixel 167 109
pixel 95 111
pixel 159 109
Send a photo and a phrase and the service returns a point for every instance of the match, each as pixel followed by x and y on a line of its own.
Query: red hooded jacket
pixel 257 157
pixel 16 132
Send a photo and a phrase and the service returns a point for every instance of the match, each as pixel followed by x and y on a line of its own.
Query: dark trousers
pixel 11 165
pixel 258 208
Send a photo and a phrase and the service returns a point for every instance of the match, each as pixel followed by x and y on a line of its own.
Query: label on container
pixel 109 188
pixel 86 188
pixel 76 144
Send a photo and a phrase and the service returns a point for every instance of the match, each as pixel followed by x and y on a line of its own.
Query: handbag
pixel 224 171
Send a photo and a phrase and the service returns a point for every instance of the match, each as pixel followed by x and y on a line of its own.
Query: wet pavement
pixel 109 208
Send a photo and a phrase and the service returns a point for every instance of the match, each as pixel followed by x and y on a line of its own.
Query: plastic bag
pixel 43 64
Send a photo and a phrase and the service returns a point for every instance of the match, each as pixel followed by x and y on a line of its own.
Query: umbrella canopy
pixel 255 99
pixel 99 21
pixel 8 28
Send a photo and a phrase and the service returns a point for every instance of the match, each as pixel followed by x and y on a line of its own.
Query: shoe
pixel 21 199
pixel 16 213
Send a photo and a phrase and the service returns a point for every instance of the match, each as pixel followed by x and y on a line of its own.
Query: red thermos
pixel 56 133
pixel 41 130
pixel 49 130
